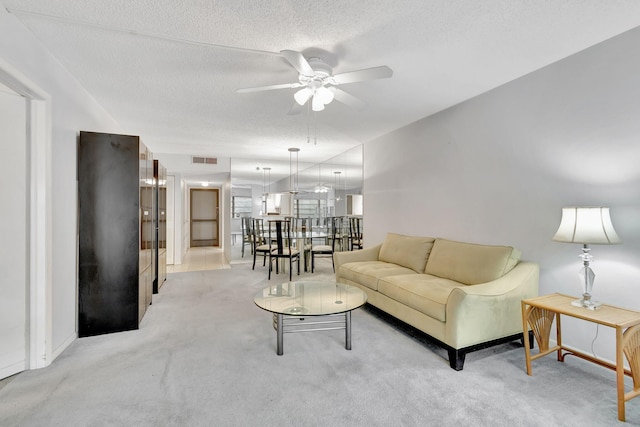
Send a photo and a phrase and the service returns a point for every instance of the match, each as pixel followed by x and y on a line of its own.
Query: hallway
pixel 199 259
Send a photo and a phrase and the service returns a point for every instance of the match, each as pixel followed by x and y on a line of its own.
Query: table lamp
pixel 586 225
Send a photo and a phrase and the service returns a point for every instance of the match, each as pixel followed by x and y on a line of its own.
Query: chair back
pixel 355 232
pixel 280 236
pixel 247 228
pixel 334 224
pixel 258 231
pixel 304 226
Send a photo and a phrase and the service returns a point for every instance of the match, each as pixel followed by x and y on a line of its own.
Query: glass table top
pixel 310 298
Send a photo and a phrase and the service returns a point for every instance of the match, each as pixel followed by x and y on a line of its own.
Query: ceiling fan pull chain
pixel 308 122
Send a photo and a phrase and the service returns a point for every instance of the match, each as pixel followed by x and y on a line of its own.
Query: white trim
pixel 12 369
pixel 67 342
pixel 39 131
pixel 41 228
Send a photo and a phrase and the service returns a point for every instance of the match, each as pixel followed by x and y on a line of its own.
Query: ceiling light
pixel 266 190
pixel 325 95
pixel 293 177
pixel 303 95
pixel 320 188
pixel 316 104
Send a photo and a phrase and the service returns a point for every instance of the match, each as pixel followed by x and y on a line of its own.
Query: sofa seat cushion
pixel 423 292
pixel 408 251
pixel 470 263
pixel 367 273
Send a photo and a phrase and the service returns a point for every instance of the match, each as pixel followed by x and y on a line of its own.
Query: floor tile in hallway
pixel 202 258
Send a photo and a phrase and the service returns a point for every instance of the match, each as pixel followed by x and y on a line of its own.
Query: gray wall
pixel 498 168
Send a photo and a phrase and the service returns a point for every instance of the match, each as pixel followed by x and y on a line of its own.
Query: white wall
pixel 224 218
pixel 73 109
pixel 497 169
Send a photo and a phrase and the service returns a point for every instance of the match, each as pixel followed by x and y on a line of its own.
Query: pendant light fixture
pixel 265 190
pixel 266 186
pixel 336 184
pixel 293 177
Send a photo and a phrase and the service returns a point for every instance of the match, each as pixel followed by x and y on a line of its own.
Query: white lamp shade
pixel 325 95
pixel 587 225
pixel 302 96
pixel 316 103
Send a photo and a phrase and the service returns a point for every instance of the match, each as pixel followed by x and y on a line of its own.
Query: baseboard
pixel 61 348
pixel 12 370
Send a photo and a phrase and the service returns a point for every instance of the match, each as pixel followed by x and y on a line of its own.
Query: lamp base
pixel 586 303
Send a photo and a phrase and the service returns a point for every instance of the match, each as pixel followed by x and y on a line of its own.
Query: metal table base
pixel 289 324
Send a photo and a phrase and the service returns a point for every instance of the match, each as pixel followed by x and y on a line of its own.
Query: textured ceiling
pixel 168 70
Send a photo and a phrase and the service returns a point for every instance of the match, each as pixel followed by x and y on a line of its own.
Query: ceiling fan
pixel 318 83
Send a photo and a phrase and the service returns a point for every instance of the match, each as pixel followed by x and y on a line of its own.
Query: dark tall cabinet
pixel 160 219
pixel 115 206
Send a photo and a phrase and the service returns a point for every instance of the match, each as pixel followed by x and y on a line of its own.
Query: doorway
pixel 14 261
pixel 34 252
pixel 204 214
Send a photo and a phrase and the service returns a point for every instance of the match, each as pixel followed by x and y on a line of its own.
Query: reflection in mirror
pixel 323 191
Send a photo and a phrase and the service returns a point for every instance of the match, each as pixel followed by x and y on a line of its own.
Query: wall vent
pixel 199 160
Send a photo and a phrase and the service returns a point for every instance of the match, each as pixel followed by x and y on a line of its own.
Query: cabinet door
pixel 147 230
pixel 109 233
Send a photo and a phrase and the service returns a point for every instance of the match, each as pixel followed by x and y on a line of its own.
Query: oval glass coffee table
pixel 306 306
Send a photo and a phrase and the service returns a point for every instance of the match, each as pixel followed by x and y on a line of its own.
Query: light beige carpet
pixel 205 356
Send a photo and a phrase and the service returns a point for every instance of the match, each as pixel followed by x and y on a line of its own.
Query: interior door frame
pixel 39 330
pixel 217 214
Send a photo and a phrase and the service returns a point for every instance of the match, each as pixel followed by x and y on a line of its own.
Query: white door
pixel 14 219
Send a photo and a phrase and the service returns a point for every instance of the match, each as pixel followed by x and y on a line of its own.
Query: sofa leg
pixel 456 359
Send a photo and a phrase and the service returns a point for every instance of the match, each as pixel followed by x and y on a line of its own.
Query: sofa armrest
pixel 368 254
pixel 487 311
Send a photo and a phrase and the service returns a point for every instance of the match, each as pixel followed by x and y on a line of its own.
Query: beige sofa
pixel 464 296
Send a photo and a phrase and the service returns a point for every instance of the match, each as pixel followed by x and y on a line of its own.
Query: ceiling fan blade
pixel 271 87
pixel 381 72
pixel 298 61
pixel 347 99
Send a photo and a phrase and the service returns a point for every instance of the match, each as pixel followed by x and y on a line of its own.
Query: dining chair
pixel 247 233
pixel 355 232
pixel 260 245
pixel 342 233
pixel 302 234
pixel 280 245
pixel 325 250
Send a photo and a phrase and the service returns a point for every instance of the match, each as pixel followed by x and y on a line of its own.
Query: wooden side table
pixel 538 314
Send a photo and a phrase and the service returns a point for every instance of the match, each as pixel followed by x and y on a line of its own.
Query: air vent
pixel 204 160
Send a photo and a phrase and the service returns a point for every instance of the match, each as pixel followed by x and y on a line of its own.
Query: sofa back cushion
pixel 407 251
pixel 470 263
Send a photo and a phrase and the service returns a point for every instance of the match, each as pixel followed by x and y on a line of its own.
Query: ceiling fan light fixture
pixel 303 95
pixel 313 77
pixel 321 189
pixel 316 103
pixel 325 95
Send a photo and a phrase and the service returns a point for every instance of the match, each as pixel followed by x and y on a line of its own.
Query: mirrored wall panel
pixel 275 189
